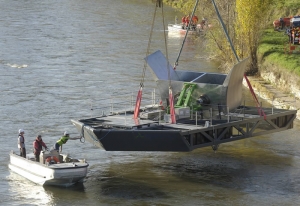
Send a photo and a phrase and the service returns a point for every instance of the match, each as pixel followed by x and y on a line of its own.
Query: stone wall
pixel 279 87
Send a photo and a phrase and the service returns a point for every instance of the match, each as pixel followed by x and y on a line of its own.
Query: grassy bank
pixel 274 49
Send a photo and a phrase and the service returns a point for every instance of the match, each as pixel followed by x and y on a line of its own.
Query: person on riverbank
pixel 38 145
pixel 21 143
pixel 63 140
pixel 281 23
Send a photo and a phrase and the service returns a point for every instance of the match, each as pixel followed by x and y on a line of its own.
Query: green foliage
pixel 184 6
pixel 249 23
pixel 245 21
pixel 274 49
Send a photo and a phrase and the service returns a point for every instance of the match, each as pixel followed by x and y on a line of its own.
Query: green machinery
pixel 185 98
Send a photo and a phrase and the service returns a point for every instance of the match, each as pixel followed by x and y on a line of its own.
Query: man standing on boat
pixel 203 23
pixel 187 21
pixel 38 145
pixel 195 22
pixel 21 143
pixel 183 22
pixel 63 140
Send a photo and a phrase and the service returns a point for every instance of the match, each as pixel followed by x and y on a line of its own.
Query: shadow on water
pixel 79 187
pixel 235 166
pixel 127 188
pixel 241 169
pixel 70 194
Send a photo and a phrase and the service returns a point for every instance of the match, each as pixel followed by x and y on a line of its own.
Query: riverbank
pixel 278 98
pixel 278 81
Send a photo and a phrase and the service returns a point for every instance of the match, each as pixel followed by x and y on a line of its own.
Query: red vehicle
pixel 281 23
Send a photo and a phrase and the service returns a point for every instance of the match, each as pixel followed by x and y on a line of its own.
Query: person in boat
pixel 203 23
pixel 183 22
pixel 194 22
pixel 63 140
pixel 187 21
pixel 38 145
pixel 21 143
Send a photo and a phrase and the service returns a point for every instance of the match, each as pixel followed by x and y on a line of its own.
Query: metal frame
pixel 117 132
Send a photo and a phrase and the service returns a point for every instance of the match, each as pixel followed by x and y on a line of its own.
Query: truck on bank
pixel 294 31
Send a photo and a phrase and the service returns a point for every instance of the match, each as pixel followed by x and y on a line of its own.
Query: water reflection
pixel 26 192
pixel 126 188
pixel 236 169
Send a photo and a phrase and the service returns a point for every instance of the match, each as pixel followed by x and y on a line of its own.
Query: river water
pixel 59 59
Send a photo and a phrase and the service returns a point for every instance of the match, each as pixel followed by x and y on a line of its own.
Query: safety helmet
pixel 21 130
pixel 66 133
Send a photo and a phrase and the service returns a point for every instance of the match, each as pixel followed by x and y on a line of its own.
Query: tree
pixel 244 19
pixel 250 21
pixel 216 42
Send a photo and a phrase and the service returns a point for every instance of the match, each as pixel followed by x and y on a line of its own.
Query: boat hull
pixel 178 28
pixel 64 174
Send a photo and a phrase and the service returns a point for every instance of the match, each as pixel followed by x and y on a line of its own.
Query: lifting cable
pixel 261 112
pixel 139 95
pixel 159 3
pixel 171 98
pixel 186 33
pixel 225 31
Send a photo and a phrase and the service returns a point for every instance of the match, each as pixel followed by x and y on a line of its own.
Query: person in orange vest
pixel 183 22
pixel 195 21
pixel 187 21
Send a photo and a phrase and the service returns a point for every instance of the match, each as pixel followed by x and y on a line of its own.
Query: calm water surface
pixel 60 58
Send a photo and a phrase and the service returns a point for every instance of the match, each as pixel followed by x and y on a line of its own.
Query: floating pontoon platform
pixel 120 132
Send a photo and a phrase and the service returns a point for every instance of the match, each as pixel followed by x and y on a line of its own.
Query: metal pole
pixel 159 113
pixel 154 97
pixel 272 105
pixel 244 107
pixel 211 116
pixel 227 114
pixel 132 101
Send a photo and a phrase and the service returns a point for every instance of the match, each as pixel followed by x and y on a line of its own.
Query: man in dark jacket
pixel 38 145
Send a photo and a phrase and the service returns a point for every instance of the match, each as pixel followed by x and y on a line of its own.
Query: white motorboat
pixel 53 168
pixel 180 28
